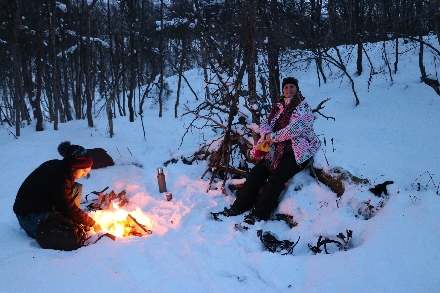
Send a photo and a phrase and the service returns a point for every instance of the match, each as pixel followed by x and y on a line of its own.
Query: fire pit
pixel 114 220
pixel 120 223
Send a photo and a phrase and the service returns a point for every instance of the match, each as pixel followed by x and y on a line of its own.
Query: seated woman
pixel 290 141
pixel 52 187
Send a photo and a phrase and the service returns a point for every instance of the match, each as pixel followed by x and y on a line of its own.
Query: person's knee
pixel 77 193
pixel 28 224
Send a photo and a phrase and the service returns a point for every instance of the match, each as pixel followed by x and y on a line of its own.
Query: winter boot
pixel 251 218
pixel 227 212
pixel 231 212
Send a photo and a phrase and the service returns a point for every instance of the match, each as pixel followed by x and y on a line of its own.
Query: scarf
pixel 282 122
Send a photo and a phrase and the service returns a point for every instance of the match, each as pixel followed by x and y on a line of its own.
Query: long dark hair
pixel 297 99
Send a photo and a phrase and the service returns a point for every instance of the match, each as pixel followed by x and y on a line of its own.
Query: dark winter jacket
pixel 49 188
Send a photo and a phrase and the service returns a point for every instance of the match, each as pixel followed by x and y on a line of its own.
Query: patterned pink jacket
pixel 300 130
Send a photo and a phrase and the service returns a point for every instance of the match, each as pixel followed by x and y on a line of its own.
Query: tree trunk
pixel 273 49
pixel 332 19
pixel 319 69
pixel 16 65
pixel 65 95
pixel 437 25
pixel 359 21
pixel 108 108
pixel 55 93
pixel 205 72
pixel 421 66
pixel 252 81
pixel 161 52
pixel 87 67
pixel 132 76
pixel 359 58
pixel 77 98
pixel 27 84
pixel 179 83
pixel 36 104
pixel 396 60
pixel 274 73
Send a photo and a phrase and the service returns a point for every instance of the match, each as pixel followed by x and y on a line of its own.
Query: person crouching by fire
pixel 52 187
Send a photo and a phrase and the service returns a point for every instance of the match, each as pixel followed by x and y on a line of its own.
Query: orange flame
pixel 115 223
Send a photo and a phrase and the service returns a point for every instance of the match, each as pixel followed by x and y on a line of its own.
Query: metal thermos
pixel 161 180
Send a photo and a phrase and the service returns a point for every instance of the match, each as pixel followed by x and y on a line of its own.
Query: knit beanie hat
pixel 75 155
pixel 290 80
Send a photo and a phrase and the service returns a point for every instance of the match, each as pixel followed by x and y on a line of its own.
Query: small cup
pixel 169 196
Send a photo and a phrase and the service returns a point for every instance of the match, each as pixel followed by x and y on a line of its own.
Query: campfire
pixel 115 220
pixel 124 224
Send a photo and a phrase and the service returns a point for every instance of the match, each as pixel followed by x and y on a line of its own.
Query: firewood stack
pixel 105 200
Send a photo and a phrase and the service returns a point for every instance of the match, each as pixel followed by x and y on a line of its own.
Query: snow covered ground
pixel 392 135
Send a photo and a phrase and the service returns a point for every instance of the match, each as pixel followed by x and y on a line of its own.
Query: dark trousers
pixel 267 202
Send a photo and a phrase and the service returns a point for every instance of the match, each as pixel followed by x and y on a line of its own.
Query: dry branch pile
pixel 105 200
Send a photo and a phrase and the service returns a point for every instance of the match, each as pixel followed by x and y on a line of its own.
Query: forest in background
pixel 66 60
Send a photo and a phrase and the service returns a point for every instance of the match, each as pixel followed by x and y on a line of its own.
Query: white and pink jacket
pixel 300 131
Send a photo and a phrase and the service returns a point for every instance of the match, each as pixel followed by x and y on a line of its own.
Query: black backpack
pixel 60 233
pixel 100 158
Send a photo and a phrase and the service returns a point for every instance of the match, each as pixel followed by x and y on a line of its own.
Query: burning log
pixel 129 227
pixel 138 227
